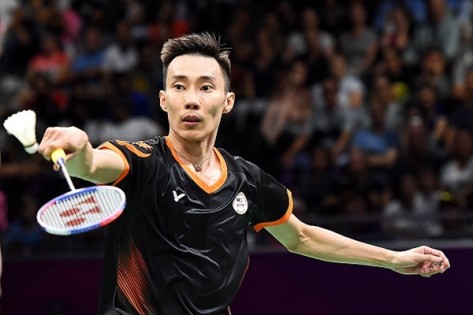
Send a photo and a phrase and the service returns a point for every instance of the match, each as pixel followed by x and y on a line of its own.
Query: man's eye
pixel 178 86
pixel 207 88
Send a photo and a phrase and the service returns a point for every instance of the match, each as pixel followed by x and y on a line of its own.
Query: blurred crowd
pixel 364 109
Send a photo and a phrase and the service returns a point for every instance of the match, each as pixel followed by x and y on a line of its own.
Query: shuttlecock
pixel 22 125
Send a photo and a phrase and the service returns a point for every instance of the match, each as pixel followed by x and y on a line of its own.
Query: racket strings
pixel 78 209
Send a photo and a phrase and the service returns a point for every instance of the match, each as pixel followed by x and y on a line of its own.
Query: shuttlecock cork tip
pixel 22 125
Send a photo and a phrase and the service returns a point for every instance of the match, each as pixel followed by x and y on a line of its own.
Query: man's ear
pixel 162 101
pixel 229 102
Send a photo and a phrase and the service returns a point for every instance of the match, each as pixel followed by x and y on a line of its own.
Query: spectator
pixel 124 124
pixel 333 126
pixel 89 62
pixel 52 61
pixel 357 190
pixel 383 92
pixel 350 99
pixel 411 214
pixel 121 56
pixel 380 144
pixel 309 40
pixel 457 172
pixel 433 71
pixel 359 44
pixel 415 147
pixel 21 43
pixel 462 116
pixel 286 125
pixel 393 66
pixel 24 237
pixel 44 98
pixel 440 30
pixel 460 68
pixel 397 30
pixel 431 109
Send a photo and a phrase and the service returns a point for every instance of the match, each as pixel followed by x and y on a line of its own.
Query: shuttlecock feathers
pixel 22 125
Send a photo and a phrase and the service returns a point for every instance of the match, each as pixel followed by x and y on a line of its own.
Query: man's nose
pixel 192 101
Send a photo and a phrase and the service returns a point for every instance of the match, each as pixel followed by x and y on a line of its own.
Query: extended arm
pixel 83 161
pixel 319 243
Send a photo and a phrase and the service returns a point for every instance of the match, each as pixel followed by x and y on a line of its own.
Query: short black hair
pixel 203 44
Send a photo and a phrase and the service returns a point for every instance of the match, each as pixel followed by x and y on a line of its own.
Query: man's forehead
pixel 186 64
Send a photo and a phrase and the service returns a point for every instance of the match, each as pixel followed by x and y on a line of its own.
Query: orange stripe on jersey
pixel 135 150
pixel 205 187
pixel 126 168
pixel 281 220
pixel 131 280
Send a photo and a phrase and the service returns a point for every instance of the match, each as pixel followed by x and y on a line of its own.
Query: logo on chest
pixel 240 203
pixel 176 196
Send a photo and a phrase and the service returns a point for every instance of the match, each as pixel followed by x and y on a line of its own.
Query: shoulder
pixel 235 159
pixel 141 149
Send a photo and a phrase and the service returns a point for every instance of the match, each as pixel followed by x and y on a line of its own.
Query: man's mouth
pixel 191 119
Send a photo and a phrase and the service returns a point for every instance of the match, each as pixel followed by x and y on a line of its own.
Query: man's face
pixel 195 97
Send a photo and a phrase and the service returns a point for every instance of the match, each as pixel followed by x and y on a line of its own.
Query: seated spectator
pixel 315 183
pixel 333 126
pixel 433 71
pixel 88 63
pixel 439 30
pixel 350 98
pixel 399 73
pixel 21 42
pixel 464 61
pixel 416 149
pixel 429 107
pixel 462 116
pixel 286 125
pixel 357 190
pixel 52 61
pixel 125 91
pixel 384 93
pixel 123 125
pixel 456 174
pixel 24 237
pixel 44 98
pixel 359 44
pixel 397 29
pixel 313 44
pixel 380 144
pixel 413 213
pixel 121 55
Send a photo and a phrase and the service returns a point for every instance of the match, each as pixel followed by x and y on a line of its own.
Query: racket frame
pixel 93 225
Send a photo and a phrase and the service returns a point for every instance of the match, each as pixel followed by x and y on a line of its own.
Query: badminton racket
pixel 80 210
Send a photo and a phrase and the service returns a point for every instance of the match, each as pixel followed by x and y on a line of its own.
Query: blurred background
pixel 364 109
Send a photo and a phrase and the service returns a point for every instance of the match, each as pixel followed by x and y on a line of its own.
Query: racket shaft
pixel 66 174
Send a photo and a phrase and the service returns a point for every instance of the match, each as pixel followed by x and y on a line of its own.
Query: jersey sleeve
pixel 137 158
pixel 274 205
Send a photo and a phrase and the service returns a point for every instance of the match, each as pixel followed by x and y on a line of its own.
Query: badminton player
pixel 180 245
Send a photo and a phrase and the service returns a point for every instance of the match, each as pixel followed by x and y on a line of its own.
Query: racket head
pixel 81 210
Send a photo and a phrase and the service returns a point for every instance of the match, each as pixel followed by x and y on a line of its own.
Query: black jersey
pixel 180 245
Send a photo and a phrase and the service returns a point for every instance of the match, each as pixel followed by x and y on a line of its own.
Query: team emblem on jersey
pixel 240 203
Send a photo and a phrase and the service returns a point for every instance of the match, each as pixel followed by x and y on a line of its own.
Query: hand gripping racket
pixel 80 210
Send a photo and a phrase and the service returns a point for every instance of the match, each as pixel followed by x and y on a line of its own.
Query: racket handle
pixel 58 154
pixel 58 157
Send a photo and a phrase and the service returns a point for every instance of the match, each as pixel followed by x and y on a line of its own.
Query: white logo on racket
pixel 176 196
pixel 240 203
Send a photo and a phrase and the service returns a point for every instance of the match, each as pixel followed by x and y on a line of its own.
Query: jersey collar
pixel 203 185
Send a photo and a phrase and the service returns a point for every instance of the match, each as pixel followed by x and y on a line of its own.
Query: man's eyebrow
pixel 202 78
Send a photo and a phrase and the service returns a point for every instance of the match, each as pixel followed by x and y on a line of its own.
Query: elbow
pixel 296 246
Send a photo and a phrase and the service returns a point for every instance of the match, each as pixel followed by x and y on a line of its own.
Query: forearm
pixel 82 160
pixel 94 165
pixel 317 242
